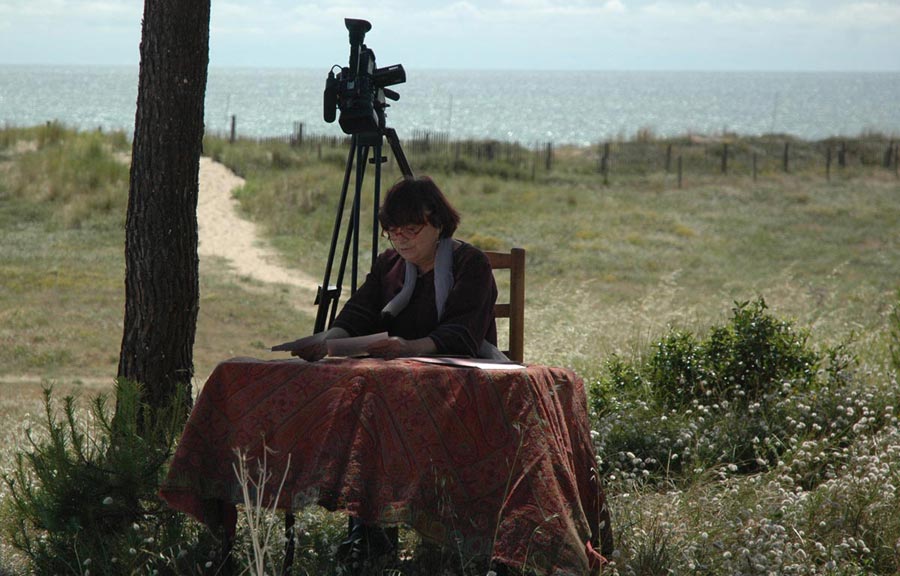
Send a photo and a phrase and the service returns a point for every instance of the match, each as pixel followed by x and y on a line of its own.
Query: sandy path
pixel 225 234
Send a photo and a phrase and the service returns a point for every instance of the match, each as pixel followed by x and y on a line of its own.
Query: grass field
pixel 610 268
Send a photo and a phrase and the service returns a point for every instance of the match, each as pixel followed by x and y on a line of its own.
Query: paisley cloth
pixel 496 462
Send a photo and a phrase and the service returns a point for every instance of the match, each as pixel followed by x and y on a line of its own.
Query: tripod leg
pixel 289 544
pixel 362 154
pixel 360 146
pixel 376 157
pixel 326 294
pixel 397 150
pixel 352 235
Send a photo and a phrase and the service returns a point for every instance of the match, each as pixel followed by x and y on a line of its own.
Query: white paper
pixel 482 363
pixel 355 346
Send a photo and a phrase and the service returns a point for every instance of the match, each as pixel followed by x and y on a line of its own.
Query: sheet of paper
pixel 481 363
pixel 355 346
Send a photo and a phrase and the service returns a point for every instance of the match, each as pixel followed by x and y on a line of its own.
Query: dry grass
pixel 609 268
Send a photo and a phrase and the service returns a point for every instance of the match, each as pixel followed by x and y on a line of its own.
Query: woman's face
pixel 416 243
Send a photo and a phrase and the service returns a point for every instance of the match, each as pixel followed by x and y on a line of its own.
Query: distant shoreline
pixel 530 107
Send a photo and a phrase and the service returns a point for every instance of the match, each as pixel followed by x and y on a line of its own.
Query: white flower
pixel 108 501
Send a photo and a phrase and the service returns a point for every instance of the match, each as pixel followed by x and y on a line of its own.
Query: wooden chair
pixel 514 309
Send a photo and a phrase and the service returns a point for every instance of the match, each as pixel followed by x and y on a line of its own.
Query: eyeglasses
pixel 409 231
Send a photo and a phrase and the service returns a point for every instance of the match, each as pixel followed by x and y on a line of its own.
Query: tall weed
pixel 78 174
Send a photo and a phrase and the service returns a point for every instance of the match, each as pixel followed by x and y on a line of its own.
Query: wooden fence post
pixel 604 164
pixel 787 155
pixel 233 128
pixel 889 155
pixel 668 158
pixel 842 155
pixel 725 158
pixel 897 160
pixel 679 171
pixel 297 136
pixel 549 159
pixel 828 165
pixel 754 166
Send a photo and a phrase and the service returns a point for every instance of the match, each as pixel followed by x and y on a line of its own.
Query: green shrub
pixel 676 370
pixel 84 497
pixel 736 401
pixel 745 360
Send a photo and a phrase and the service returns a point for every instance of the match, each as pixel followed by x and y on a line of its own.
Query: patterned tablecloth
pixel 449 451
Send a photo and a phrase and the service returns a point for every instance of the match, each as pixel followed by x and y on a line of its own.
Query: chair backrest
pixel 514 309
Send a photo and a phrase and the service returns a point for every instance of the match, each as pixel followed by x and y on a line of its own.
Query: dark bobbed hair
pixel 417 200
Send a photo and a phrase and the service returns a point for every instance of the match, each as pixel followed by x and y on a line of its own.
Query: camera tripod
pixel 360 147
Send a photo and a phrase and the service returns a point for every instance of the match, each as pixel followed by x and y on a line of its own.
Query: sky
pixel 792 35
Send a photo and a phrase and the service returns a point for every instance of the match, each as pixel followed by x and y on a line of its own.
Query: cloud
pixel 490 33
pixel 70 8
pixel 867 14
pixel 111 9
pixel 71 13
pixel 834 14
pixel 705 13
pixel 38 9
pixel 524 10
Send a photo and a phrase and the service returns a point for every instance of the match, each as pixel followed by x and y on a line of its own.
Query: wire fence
pixel 727 154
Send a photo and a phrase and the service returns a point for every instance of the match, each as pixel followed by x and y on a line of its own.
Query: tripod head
pixel 359 90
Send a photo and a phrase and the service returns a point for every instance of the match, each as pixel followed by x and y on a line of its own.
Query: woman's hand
pixel 395 347
pixel 313 347
pixel 309 348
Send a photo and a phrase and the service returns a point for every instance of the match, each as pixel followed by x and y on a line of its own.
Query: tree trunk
pixel 162 267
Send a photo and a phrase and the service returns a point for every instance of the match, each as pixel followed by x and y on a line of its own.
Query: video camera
pixel 360 89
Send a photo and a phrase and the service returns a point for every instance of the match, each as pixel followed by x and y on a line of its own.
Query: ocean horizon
pixel 529 107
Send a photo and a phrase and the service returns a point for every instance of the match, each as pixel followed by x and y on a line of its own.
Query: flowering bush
pixel 733 400
pixel 797 473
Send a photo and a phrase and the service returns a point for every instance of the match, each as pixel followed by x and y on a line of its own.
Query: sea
pixel 531 108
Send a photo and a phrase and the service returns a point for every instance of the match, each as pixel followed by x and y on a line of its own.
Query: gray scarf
pixel 443 283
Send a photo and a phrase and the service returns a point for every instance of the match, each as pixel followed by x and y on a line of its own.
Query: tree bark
pixel 162 266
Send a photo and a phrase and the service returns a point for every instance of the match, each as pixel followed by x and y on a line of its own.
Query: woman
pixel 431 293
